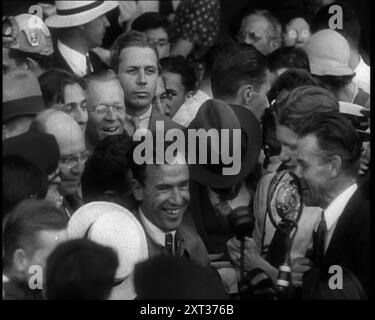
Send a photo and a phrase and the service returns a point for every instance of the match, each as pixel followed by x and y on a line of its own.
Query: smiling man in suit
pixel 328 154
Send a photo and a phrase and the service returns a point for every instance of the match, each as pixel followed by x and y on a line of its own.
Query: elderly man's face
pixel 94 31
pixel 73 156
pixel 138 74
pixel 102 121
pixel 297 32
pixel 159 38
pixel 254 30
pixel 314 171
pixel 165 195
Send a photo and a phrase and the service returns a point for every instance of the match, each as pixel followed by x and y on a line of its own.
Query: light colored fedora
pixel 76 13
pixel 113 226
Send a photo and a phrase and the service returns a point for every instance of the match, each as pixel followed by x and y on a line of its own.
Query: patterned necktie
pixel 169 243
pixel 320 238
pixel 89 68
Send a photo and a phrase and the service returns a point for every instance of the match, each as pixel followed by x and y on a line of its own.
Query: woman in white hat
pixel 81 27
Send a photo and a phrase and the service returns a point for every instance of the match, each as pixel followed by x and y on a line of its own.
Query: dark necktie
pixel 165 7
pixel 88 64
pixel 320 238
pixel 169 243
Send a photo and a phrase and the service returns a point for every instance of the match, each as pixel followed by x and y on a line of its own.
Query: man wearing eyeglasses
pixel 73 154
pixel 105 106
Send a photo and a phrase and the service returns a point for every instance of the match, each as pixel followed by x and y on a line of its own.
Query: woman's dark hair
pixel 53 82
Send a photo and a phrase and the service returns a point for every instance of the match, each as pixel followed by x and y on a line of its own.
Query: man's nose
pixel 142 77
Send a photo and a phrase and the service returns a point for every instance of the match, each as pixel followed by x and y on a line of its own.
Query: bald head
pixel 59 124
pixel 70 139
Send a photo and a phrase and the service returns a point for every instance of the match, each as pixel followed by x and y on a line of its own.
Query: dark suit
pixel 60 62
pixel 350 243
pixel 188 244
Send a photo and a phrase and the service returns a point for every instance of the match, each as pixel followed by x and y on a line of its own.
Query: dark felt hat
pixel 39 148
pixel 215 114
pixel 21 95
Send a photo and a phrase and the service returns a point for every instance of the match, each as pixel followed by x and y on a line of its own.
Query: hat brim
pixel 329 68
pixel 252 129
pixel 58 21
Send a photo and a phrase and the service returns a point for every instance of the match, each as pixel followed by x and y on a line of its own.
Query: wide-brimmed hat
pixel 21 95
pixel 114 226
pixel 328 53
pixel 215 114
pixel 76 13
pixel 37 147
pixel 27 33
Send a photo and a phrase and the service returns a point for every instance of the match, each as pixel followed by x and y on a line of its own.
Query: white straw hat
pixel 76 13
pixel 113 226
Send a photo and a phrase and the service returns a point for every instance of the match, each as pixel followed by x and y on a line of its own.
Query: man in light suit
pixel 328 154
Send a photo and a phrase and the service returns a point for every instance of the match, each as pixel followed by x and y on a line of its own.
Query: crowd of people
pixel 87 83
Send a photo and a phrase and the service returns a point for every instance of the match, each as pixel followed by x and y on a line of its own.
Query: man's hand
pixel 299 266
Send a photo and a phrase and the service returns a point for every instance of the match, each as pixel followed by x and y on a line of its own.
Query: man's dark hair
pixel 53 82
pixel 149 21
pixel 181 66
pixel 302 103
pixel 289 80
pixel 235 65
pixel 21 180
pixel 351 29
pixel 288 57
pixel 334 83
pixel 128 40
pixel 336 136
pixel 107 169
pixel 80 269
pixel 45 62
pixel 23 223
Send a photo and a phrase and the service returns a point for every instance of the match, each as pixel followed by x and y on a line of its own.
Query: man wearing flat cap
pixel 81 27
pixel 22 101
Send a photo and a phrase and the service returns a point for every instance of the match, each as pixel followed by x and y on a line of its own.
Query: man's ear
pixel 246 93
pixel 20 260
pixel 275 44
pixel 189 95
pixel 336 165
pixel 137 190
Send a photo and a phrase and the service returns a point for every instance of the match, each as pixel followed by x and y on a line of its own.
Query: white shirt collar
pixel 75 59
pixel 156 234
pixel 337 206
